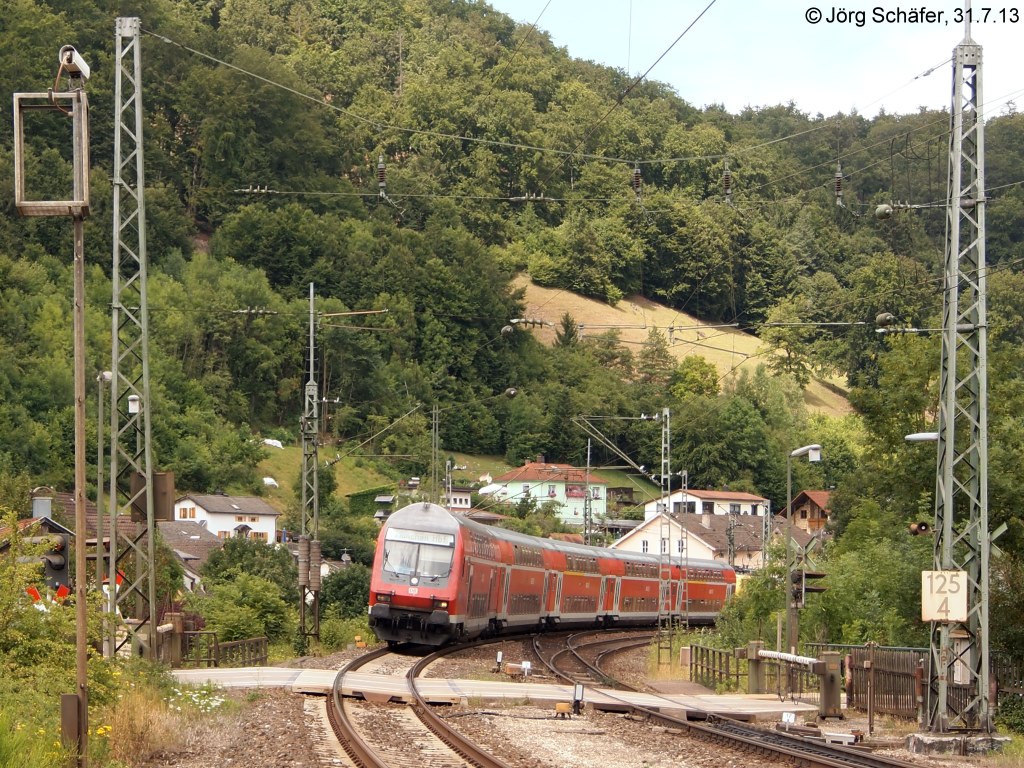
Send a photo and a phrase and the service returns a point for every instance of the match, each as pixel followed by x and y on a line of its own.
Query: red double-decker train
pixel 440 577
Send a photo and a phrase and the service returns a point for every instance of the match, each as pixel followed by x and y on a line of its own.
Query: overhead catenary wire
pixel 381 125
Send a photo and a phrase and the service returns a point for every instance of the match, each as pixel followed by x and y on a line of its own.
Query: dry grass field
pixel 729 349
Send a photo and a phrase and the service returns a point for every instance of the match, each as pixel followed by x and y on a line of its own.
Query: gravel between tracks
pixel 270 729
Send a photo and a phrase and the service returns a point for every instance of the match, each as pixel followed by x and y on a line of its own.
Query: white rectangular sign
pixel 944 596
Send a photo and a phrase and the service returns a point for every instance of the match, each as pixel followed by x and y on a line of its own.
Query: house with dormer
pixel 733 539
pixel 567 486
pixel 811 510
pixel 694 501
pixel 230 516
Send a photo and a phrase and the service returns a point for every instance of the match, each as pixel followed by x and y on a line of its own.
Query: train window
pixel 525 555
pixel 418 553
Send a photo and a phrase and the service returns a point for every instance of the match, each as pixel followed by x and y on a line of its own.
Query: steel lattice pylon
pixel 959 671
pixel 309 582
pixel 131 474
pixel 666 602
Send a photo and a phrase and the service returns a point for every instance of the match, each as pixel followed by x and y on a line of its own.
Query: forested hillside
pixel 415 157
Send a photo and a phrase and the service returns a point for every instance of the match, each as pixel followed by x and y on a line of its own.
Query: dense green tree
pixel 243 606
pixel 348 589
pixel 255 558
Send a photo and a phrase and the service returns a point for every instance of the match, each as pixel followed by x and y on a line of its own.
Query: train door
pixel 618 595
pixel 555 600
pixel 506 575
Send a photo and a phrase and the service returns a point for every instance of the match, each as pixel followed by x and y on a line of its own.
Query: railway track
pixel 387 735
pixel 413 736
pixel 807 753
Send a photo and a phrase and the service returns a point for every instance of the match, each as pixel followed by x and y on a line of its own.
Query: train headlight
pixel 383 597
pixel 440 603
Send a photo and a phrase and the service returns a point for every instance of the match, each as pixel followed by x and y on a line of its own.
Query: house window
pixel 664 546
pixel 734 509
pixel 223 534
pixel 753 509
pixel 803 514
pixel 253 519
pixel 526 490
pixel 595 493
pixel 261 535
pixel 680 546
pixel 239 518
pixel 187 513
pixel 643 545
pixel 707 507
pixel 551 490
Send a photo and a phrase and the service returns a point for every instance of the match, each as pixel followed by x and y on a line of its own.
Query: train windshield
pixel 425 554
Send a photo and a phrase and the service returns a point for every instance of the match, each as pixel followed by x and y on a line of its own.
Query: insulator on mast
pixel 636 181
pixel 381 183
pixel 839 184
pixel 727 184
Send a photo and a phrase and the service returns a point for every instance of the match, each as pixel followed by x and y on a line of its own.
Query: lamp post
pixel 102 378
pixel 813 453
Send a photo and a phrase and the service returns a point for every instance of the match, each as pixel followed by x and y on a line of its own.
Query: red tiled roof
pixel 64 502
pixel 537 472
pixel 821 498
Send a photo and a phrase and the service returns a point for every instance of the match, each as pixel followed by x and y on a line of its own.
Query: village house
pixel 230 516
pixel 567 486
pixel 811 510
pixel 734 539
pixel 700 502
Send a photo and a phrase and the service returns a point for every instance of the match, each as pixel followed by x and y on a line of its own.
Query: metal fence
pixel 202 649
pixel 894 678
pixel 713 667
pixel 891 676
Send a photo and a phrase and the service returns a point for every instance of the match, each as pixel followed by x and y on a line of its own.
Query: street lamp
pixel 813 453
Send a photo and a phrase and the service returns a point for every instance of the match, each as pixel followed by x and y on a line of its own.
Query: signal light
pixel 55 561
pixel 800 586
pixel 919 528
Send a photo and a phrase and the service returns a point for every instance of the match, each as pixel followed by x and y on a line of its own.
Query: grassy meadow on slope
pixel 728 349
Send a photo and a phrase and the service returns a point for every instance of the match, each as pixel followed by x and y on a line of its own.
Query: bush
pixel 337 633
pixel 1010 714
pixel 346 592
pixel 245 607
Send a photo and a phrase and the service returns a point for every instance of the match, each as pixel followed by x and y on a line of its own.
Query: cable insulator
pixel 636 181
pixel 839 185
pixel 381 183
pixel 727 185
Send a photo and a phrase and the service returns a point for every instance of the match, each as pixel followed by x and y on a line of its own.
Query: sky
pixel 754 53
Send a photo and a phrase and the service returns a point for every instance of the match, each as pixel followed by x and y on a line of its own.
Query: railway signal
pixel 55 559
pixel 800 586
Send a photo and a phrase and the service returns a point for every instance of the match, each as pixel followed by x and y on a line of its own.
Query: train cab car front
pixel 414 578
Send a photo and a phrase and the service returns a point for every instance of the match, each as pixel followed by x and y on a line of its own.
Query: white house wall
pixel 720 506
pixel 571 509
pixel 650 532
pixel 224 525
